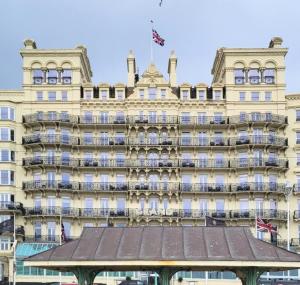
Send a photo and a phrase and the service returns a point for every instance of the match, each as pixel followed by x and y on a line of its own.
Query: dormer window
pixel 217 95
pixel 88 94
pixel 104 95
pixel 269 76
pixel 120 95
pixel 52 76
pixel 239 76
pixel 38 76
pixel 253 76
pixel 67 76
pixel 152 93
pixel 201 95
pixel 185 95
pixel 163 94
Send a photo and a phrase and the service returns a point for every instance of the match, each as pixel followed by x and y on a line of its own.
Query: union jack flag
pixel 63 234
pixel 263 226
pixel 157 38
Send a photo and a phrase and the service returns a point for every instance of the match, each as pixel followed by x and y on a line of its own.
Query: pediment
pixel 152 76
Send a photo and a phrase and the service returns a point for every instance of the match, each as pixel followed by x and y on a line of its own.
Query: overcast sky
pixel 110 28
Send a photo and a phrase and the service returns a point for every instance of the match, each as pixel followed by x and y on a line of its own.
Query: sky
pixel 195 29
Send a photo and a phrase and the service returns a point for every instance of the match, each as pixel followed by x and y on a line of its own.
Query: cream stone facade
pixel 149 152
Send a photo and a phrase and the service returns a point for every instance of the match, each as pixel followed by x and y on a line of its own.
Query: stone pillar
pixel 85 276
pixel 249 276
pixel 165 275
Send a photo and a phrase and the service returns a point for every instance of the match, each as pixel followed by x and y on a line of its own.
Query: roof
pixel 144 247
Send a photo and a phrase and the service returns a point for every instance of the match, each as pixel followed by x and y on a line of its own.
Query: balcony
pixel 153 120
pixel 204 163
pixel 158 186
pixel 204 187
pixel 259 163
pixel 49 118
pixel 8 207
pixel 42 161
pixel 76 212
pixel 257 118
pixel 155 141
pixel 258 187
pixel 102 141
pixel 47 238
pixel 102 120
pixel 262 140
pixel 44 139
pixel 44 185
pixel 202 142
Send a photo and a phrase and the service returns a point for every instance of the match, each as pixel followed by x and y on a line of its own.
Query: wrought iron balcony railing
pixel 130 212
pixel 50 139
pixel 11 206
pixel 152 186
pixel 47 238
pixel 254 117
pixel 51 117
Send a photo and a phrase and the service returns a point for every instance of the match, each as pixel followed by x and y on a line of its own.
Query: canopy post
pixel 166 275
pixel 85 276
pixel 249 276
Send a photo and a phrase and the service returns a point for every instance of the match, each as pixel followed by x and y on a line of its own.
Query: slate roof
pixel 167 244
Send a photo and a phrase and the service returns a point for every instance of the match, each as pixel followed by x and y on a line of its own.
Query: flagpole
pixel 60 241
pixel 14 249
pixel 255 223
pixel 151 44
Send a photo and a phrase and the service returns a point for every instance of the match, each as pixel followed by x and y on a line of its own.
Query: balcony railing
pixel 47 238
pixel 152 186
pixel 258 162
pixel 50 139
pixel 76 212
pixel 154 119
pixel 129 212
pixel 52 117
pixel 11 206
pixel 258 140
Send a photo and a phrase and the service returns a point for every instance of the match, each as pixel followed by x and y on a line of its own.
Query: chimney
pixel 29 44
pixel 172 69
pixel 275 42
pixel 131 68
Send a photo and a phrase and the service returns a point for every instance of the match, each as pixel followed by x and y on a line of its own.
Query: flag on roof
pixel 160 3
pixel 263 226
pixel 213 222
pixel 157 38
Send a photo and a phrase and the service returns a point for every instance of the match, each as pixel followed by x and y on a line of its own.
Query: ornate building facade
pixel 149 152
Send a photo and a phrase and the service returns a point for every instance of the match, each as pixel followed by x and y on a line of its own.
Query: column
pixel 249 276
pixel 85 276
pixel 165 275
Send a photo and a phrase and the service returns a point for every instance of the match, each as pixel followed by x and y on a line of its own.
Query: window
pixel 217 95
pixel 87 94
pixel 187 207
pixel 186 182
pixel 7 113
pixel 52 76
pixel 268 96
pixel 7 177
pixel 103 117
pixel 88 138
pixel 297 137
pixel 242 96
pixel 120 95
pixel 52 96
pixel 255 96
pixel 38 76
pixel 152 117
pixel 104 95
pixel 51 231
pixel 7 134
pixel 201 95
pixel 186 138
pixel 269 76
pixel 64 95
pixel 7 155
pixel 244 206
pixel 152 93
pixel 298 115
pixel 37 230
pixel 185 95
pixel 220 206
pixel 253 75
pixel 163 94
pixel 218 118
pixel 66 76
pixel 141 94
pixel 88 117
pixel 185 118
pixel 298 159
pixel 39 96
pixel 202 119
pixel 239 77
pixel 4 244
